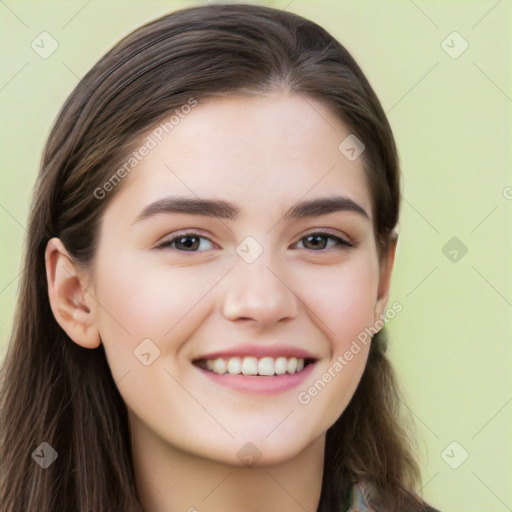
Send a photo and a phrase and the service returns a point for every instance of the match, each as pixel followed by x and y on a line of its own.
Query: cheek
pixel 344 299
pixel 139 301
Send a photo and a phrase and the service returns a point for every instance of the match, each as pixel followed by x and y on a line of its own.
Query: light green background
pixel 452 122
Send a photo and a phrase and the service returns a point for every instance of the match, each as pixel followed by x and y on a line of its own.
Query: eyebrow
pixel 221 209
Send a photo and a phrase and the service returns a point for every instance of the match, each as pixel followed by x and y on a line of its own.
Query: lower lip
pixel 259 384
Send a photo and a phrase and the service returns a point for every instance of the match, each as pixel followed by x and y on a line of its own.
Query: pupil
pixel 315 237
pixel 188 245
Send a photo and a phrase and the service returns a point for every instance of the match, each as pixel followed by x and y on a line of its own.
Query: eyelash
pixel 342 244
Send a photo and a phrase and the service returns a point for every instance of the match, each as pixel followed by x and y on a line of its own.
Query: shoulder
pixel 361 499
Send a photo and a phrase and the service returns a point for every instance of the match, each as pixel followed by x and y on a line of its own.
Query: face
pixel 183 295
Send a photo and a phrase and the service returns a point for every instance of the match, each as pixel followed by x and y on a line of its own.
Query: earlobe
pixel 70 302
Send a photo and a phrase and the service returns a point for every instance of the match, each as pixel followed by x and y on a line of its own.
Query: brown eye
pixel 186 242
pixel 317 241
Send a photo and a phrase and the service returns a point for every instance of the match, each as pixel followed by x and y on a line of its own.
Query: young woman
pixel 206 280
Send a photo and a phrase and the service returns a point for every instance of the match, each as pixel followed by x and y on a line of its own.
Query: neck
pixel 171 480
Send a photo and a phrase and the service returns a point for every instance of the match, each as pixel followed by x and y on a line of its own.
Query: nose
pixel 258 292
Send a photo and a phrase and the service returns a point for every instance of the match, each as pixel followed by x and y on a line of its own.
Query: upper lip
pixel 259 351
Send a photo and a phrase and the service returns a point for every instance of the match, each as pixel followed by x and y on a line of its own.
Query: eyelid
pixel 344 240
pixel 321 231
pixel 171 237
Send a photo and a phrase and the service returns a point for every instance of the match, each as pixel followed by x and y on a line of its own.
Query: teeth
pixel 280 365
pixel 234 365
pixel 219 366
pixel 266 366
pixel 291 365
pixel 250 366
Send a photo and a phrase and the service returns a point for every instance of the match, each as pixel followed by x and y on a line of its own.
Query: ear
pixel 386 269
pixel 70 302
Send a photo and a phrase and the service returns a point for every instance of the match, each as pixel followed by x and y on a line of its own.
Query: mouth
pixel 251 366
pixel 257 370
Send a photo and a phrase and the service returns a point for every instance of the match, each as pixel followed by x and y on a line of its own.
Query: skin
pixel 264 153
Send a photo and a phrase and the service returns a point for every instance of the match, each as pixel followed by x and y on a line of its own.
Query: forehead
pixel 260 151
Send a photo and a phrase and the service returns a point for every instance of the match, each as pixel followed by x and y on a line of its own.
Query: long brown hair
pixel 53 390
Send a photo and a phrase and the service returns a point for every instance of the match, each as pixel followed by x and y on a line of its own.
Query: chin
pixel 261 452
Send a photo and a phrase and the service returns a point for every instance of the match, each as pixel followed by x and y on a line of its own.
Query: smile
pixel 251 366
